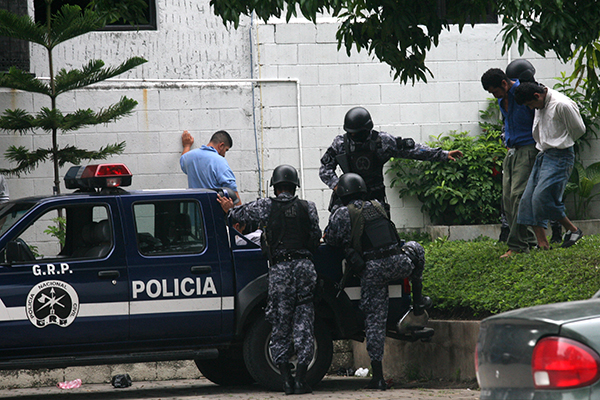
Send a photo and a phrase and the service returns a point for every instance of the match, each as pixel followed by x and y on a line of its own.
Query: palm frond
pixel 21 80
pixel 116 111
pixel 71 21
pixel 74 155
pixel 22 27
pixel 26 160
pixel 78 119
pixel 49 119
pixel 92 73
pixel 17 120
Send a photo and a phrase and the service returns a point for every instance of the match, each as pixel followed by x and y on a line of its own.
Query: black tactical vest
pixel 371 228
pixel 289 225
pixel 363 160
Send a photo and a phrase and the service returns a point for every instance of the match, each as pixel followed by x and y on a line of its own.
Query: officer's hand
pixel 225 202
pixel 454 154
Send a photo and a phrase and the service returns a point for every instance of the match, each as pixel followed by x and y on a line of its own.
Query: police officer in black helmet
pixel 364 226
pixel 364 151
pixel 291 235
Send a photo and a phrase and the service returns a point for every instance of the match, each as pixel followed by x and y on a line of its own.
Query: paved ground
pixel 334 388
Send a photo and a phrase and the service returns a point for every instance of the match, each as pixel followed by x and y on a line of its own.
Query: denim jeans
pixel 543 196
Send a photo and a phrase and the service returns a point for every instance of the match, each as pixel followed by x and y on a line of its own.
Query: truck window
pixel 10 213
pixel 68 232
pixel 169 227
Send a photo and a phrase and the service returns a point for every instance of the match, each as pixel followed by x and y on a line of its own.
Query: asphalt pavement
pixel 331 388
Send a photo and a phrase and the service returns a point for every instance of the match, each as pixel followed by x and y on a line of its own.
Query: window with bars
pixel 14 52
pixel 148 24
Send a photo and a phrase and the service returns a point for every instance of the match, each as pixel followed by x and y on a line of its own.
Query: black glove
pixel 405 144
pixel 416 253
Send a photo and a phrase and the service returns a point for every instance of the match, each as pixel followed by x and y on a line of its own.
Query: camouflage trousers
pixel 291 310
pixel 374 294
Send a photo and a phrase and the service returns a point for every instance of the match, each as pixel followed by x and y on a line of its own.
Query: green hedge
pixel 471 277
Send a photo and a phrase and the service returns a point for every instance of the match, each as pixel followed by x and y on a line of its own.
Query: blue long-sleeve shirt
pixel 518 121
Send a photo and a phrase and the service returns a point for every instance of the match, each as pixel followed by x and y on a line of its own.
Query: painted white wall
pixel 280 89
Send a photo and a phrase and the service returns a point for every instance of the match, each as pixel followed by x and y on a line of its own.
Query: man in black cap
pixel 364 151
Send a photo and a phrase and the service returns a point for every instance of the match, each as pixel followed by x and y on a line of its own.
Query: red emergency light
pixel 99 176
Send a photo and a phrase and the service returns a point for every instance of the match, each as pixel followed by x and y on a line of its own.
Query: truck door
pixel 174 271
pixel 63 276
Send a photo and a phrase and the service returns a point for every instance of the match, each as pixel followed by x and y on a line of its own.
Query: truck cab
pixel 104 275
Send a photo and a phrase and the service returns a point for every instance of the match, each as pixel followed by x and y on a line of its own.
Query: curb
pixel 448 356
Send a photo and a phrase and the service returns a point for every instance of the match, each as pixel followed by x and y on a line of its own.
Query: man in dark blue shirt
pixel 519 160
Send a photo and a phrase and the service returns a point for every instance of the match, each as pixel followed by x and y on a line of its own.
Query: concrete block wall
pixel 199 78
pixel 448 356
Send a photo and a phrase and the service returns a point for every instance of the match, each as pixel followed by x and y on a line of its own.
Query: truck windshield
pixel 10 213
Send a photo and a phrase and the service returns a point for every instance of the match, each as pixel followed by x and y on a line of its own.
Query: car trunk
pixel 506 342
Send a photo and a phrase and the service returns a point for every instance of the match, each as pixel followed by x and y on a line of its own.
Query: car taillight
pixel 559 363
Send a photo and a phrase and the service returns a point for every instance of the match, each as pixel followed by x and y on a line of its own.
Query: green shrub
pixel 471 276
pixel 467 191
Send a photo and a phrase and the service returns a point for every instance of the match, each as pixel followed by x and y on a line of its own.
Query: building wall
pixel 280 89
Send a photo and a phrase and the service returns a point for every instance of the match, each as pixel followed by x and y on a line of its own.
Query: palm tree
pixel 68 23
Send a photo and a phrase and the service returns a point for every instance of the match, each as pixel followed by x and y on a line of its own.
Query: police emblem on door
pixel 52 302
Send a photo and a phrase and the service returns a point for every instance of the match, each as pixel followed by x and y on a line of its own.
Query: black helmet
pixel 231 194
pixel 285 174
pixel 521 69
pixel 350 184
pixel 357 120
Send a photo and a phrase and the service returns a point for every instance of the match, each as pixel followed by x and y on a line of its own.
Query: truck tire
pixel 260 364
pixel 225 370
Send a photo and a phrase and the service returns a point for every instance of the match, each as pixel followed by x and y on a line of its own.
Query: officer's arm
pixel 337 232
pixel 315 230
pixel 424 153
pixel 327 170
pixel 247 213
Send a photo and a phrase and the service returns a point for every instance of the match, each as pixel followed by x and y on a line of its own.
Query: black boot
pixel 288 379
pixel 420 302
pixel 556 232
pixel 301 386
pixel 377 381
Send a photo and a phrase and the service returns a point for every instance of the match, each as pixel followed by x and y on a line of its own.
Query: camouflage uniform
pixel 376 276
pixel 389 148
pixel 291 285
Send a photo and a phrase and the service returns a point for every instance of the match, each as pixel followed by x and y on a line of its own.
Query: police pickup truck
pixel 105 275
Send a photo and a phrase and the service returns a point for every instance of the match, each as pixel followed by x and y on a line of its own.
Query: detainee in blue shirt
pixel 207 167
pixel 520 157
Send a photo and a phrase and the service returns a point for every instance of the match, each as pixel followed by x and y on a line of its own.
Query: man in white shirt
pixel 556 126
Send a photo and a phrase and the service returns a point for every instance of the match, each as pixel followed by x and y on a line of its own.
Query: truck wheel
pixel 225 370
pixel 260 364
